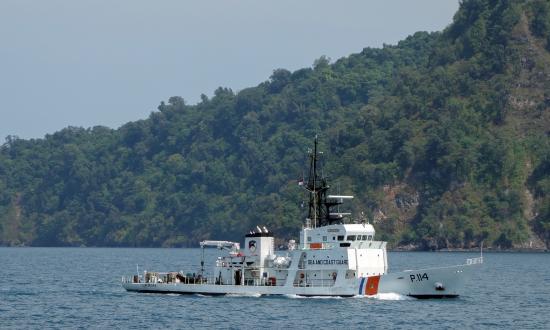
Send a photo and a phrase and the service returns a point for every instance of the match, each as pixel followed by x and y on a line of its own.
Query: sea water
pixel 80 288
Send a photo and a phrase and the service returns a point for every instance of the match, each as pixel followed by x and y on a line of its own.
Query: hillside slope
pixel 443 138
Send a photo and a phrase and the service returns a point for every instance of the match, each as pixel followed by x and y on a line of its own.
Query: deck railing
pixel 474 261
pixel 254 282
pixel 202 281
pixel 191 280
pixel 306 282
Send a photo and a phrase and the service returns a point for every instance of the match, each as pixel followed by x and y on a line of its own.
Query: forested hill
pixel 443 139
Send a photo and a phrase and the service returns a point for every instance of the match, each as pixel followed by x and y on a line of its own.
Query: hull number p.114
pixel 419 277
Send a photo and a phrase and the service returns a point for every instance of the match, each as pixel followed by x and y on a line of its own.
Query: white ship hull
pixel 442 282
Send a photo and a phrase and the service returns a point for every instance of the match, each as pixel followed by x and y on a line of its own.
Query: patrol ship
pixel 332 258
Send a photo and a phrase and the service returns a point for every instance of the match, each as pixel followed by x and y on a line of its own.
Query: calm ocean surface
pixel 80 288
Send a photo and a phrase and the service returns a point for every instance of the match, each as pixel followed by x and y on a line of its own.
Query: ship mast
pixel 317 188
pixel 320 204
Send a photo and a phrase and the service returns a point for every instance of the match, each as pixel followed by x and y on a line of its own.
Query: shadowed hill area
pixel 443 139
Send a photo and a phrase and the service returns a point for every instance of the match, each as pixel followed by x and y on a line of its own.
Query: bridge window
pixel 364 237
pixel 324 238
pixel 370 237
pixel 309 238
pixel 351 238
pixel 340 237
pixel 358 237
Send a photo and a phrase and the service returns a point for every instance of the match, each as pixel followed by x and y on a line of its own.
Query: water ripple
pixel 79 288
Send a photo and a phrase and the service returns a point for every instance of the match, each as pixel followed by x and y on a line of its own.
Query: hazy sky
pixel 107 62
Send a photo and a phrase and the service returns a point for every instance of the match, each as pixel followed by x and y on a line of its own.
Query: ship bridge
pixel 339 235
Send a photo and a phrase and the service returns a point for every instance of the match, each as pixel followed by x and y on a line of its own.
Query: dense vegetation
pixel 443 138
